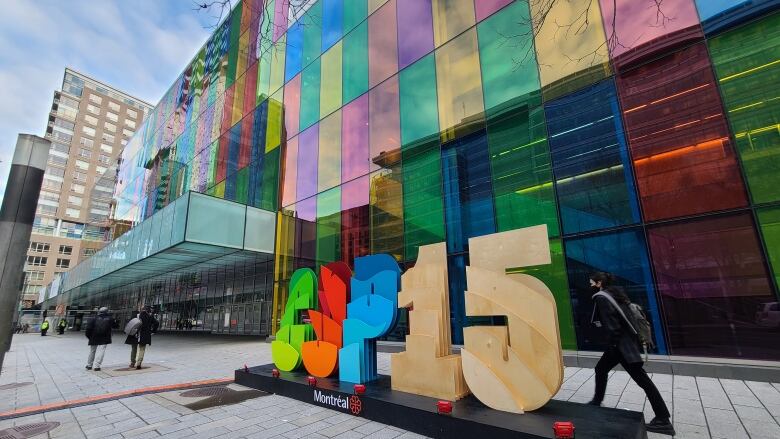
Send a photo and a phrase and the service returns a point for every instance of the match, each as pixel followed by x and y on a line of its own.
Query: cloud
pixel 139 47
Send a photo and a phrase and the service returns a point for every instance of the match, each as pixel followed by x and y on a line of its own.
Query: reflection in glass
pixel 415 30
pixel 382 44
pixel 450 18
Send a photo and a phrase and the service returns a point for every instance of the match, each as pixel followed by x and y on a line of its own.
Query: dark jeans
pixel 611 358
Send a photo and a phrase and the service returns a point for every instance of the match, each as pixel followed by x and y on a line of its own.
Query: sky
pixel 137 46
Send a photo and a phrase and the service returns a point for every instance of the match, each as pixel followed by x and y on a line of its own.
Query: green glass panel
pixel 329 226
pixel 207 218
pixel 277 63
pixel 231 65
pixel 509 70
pixel 747 62
pixel 554 276
pixel 235 23
pixel 520 161
pixel 419 111
pixel 423 208
pixel 212 173
pixel 273 136
pixel 312 33
pixel 242 185
pixel 330 86
pixel 264 63
pixel 386 211
pixel 270 187
pixel 355 69
pixel 355 11
pixel 769 220
pixel 310 95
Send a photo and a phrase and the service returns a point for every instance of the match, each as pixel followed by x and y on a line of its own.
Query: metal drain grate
pixel 13 386
pixel 205 392
pixel 28 430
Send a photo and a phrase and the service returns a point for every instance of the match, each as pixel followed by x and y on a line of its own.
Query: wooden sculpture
pixel 517 367
pixel 427 367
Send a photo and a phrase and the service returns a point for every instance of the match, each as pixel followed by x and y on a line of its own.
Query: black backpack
pixel 636 320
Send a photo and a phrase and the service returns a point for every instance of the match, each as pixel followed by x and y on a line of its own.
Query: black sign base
pixel 469 418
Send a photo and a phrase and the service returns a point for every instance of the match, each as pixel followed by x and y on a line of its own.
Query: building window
pixel 94 110
pixel 74 200
pixel 44 209
pixel 85 153
pixel 55 172
pixel 82 165
pixel 100 170
pixel 87 252
pixel 113 106
pixel 106 148
pixel 108 138
pixel 80 177
pixel 110 127
pixel 39 247
pixel 88 131
pixel 75 213
pixel 92 120
pixel 89 143
pixel 34 275
pixel 96 99
pixel 113 117
pixel 32 289
pixel 65 250
pixel 37 261
pixel 132 113
pixel 77 188
pixel 127 133
pixel 104 159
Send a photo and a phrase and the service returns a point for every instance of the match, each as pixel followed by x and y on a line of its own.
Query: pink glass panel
pixel 292 105
pixel 384 117
pixel 354 139
pixel 382 44
pixel 355 237
pixel 308 145
pixel 289 172
pixel 415 30
pixel 485 8
pixel 280 18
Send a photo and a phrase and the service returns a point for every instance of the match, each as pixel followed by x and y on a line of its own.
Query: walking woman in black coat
pixel 624 350
pixel 148 326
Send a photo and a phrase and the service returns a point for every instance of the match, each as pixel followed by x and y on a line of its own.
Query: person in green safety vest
pixel 44 328
pixel 61 327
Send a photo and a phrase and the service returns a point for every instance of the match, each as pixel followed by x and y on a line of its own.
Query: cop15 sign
pixel 516 367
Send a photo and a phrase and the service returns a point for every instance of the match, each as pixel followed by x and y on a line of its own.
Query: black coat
pixel 619 335
pixel 148 326
pixel 98 330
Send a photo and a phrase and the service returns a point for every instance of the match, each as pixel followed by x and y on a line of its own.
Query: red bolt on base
pixel 563 430
pixel 312 381
pixel 444 407
pixel 275 373
pixel 360 389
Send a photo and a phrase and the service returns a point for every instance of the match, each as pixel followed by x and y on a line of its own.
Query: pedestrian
pixel 61 327
pixel 98 332
pixel 148 326
pixel 131 329
pixel 44 328
pixel 623 348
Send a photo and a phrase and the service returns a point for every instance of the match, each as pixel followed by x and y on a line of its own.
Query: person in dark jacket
pixel 148 326
pixel 623 349
pixel 98 332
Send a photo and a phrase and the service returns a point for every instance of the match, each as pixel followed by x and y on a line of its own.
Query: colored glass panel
pixel 624 254
pixel 355 219
pixel 632 25
pixel 310 95
pixel 312 33
pixel 593 174
pixel 329 167
pixel 270 188
pixel 281 8
pixel 386 211
pixel 330 82
pixel 459 87
pixel 509 70
pixel 769 221
pixel 294 51
pixel 332 17
pixel 384 124
pixel 423 206
pixel 683 157
pixel 450 18
pixel 712 278
pixel 275 123
pixel 355 11
pixel 306 184
pixel 485 8
pixel 709 8
pixel 354 139
pixel 329 226
pixel 373 5
pixel 276 79
pixel 355 68
pixel 468 203
pixel 382 44
pixel 747 63
pixel 569 60
pixel 292 106
pixel 290 174
pixel 415 30
pixel 419 112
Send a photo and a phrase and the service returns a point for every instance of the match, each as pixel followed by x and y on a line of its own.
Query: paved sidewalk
pixel 702 407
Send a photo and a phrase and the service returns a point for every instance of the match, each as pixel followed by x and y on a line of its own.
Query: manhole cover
pixel 205 391
pixel 28 430
pixel 13 386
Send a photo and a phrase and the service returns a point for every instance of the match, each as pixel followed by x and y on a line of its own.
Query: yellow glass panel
pixel 219 189
pixel 373 5
pixel 330 81
pixel 238 100
pixel 450 18
pixel 277 64
pixel 283 263
pixel 243 48
pixel 216 121
pixel 329 158
pixel 459 86
pixel 571 46
pixel 273 136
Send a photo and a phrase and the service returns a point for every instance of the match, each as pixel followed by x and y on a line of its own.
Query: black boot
pixel 660 426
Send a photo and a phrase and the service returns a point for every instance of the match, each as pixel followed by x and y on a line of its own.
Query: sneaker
pixel 132 365
pixel 138 367
pixel 89 367
pixel 660 426
pixel 97 369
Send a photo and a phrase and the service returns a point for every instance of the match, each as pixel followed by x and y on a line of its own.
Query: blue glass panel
pixel 624 254
pixel 721 15
pixel 234 148
pixel 456 272
pixel 255 195
pixel 294 52
pixel 332 13
pixel 593 176
pixel 230 187
pixel 468 193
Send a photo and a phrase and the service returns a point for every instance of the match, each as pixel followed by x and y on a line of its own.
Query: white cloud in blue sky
pixel 137 46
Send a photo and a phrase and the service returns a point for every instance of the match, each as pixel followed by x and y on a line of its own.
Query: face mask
pixel 595 289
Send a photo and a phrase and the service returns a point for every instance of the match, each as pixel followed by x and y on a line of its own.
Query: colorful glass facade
pixel 648 143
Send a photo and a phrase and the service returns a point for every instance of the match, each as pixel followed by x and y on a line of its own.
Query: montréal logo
pixel 351 404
